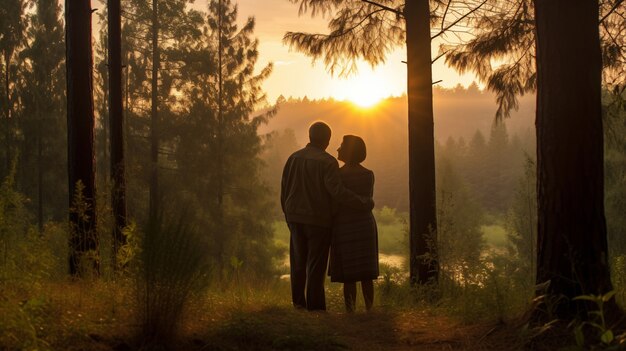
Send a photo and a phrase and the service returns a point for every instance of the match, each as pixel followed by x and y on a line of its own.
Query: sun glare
pixel 364 90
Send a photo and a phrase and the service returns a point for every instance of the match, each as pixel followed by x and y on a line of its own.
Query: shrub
pixel 173 266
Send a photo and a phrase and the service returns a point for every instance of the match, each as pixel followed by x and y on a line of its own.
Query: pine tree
pixel 116 123
pixel 504 32
pixel 80 120
pixel 460 237
pixel 44 147
pixel 572 236
pixel 521 223
pixel 152 71
pixel 218 147
pixel 12 29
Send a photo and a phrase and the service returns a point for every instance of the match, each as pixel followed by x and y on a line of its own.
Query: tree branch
pixel 333 35
pixel 615 6
pixel 443 18
pixel 458 20
pixel 399 13
pixel 439 56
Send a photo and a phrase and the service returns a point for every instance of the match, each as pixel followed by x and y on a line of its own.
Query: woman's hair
pixel 353 148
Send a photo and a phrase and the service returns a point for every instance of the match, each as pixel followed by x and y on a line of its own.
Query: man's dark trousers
pixel 309 246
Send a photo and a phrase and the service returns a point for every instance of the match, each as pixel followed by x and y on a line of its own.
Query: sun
pixel 365 90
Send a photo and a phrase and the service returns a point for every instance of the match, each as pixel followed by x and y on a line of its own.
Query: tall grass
pixel 173 266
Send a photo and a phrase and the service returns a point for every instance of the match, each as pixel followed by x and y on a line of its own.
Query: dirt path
pixel 286 329
pixel 415 330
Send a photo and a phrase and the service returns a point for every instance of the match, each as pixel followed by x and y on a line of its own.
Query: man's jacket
pixel 311 186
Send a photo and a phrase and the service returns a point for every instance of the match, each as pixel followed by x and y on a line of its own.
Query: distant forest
pixel 492 162
pixel 490 156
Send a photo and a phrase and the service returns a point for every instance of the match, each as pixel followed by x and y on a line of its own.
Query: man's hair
pixel 319 133
pixel 353 149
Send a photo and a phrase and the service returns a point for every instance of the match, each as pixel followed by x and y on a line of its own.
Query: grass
pixel 102 315
pixel 98 315
pixel 50 312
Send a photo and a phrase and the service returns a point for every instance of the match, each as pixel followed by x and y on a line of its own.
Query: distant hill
pixel 459 113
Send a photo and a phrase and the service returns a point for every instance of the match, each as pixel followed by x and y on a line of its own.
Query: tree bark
pixel 572 236
pixel 423 220
pixel 116 125
pixel 220 145
pixel 40 173
pixel 80 127
pixel 7 122
pixel 154 120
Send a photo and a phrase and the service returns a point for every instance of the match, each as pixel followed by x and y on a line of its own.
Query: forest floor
pixel 101 316
pixel 285 329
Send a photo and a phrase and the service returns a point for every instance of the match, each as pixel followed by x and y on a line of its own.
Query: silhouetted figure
pixel 310 185
pixel 354 243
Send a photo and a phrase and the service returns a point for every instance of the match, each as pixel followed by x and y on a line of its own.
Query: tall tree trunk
pixel 40 173
pixel 154 125
pixel 80 130
pixel 7 114
pixel 423 215
pixel 572 237
pixel 116 125
pixel 220 145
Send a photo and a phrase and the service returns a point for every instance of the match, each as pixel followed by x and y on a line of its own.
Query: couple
pixel 328 207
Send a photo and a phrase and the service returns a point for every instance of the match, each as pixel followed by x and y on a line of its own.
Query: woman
pixel 354 245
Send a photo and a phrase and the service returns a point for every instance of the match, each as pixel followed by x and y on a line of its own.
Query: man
pixel 310 187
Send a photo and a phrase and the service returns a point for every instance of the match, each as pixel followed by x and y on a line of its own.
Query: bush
pixel 173 266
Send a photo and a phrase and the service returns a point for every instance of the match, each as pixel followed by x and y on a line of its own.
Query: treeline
pixel 489 165
pixel 34 141
pixel 489 157
pixel 203 100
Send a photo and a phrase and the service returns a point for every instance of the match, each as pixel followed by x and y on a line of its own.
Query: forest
pixel 142 159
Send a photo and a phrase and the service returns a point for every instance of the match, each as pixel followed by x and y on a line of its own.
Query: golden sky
pixel 295 76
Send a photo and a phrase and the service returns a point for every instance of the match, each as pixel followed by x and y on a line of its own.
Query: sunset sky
pixel 295 76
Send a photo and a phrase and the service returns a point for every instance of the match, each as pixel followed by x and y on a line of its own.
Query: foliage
pixel 490 166
pixel 277 146
pixel 12 40
pixel 459 238
pixel 521 225
pixel 84 238
pixel 604 339
pixel 43 142
pixel 14 218
pixel 358 30
pixel 369 31
pixel 20 325
pixel 131 250
pixel 501 50
pixel 177 24
pixel 392 231
pixel 216 144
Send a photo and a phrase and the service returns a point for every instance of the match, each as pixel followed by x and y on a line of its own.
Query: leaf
pixel 596 313
pixel 580 337
pixel 586 298
pixel 607 337
pixel 235 262
pixel 608 296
